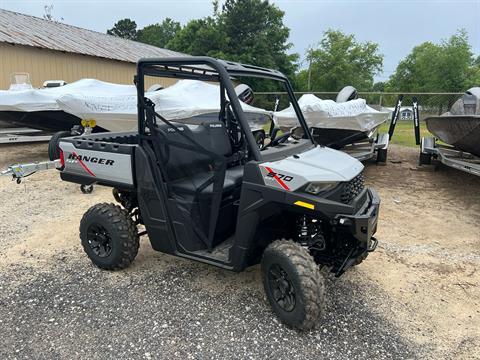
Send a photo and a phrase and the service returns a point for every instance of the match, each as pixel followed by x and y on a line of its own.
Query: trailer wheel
pixel 86 189
pixel 259 139
pixel 109 236
pixel 293 284
pixel 425 159
pixel 382 155
pixel 53 148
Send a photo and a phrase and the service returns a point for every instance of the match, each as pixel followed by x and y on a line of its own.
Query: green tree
pixel 249 31
pixel 340 60
pixel 159 34
pixel 200 37
pixel 256 34
pixel 124 28
pixel 445 67
pixel 379 86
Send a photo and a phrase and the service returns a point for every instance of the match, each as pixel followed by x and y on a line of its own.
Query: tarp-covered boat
pixel 186 99
pixel 460 127
pixel 335 124
pixel 38 108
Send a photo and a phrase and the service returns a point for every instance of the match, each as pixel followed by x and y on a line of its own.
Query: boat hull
pixel 50 120
pixel 337 138
pixel 460 131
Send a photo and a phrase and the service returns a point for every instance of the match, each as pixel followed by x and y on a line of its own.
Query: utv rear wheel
pixel 109 236
pixel 53 148
pixel 293 283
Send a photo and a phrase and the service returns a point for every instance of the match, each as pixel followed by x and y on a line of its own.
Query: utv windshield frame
pixel 209 69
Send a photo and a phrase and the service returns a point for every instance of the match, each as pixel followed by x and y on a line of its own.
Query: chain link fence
pixel 428 103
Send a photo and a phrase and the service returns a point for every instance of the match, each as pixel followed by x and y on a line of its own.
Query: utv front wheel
pixel 109 236
pixel 293 284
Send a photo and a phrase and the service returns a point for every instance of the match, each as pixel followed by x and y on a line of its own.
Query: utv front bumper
pixel 361 227
pixel 363 224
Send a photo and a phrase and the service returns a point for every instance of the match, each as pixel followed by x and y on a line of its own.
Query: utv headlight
pixel 316 188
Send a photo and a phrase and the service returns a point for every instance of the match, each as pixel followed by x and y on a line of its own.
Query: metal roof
pixel 21 29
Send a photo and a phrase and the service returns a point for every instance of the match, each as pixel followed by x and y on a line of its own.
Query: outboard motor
pixel 244 93
pixel 468 104
pixel 346 94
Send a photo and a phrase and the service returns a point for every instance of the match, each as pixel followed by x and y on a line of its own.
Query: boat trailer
pixel 367 150
pixel 449 156
pixel 452 155
pixel 22 135
pixel 19 171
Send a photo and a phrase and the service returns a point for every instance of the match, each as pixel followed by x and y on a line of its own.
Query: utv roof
pixel 202 68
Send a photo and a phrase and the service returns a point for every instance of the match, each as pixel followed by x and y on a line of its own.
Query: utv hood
pixel 320 164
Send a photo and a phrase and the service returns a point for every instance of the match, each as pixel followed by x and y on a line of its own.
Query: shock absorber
pixel 303 230
pixel 310 233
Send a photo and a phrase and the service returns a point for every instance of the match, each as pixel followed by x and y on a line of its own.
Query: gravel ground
pixel 75 310
pixel 55 304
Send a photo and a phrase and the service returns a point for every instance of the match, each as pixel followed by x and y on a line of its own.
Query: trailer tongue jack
pixel 19 171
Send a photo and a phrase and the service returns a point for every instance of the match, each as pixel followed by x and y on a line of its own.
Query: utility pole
pixel 309 73
pixel 309 58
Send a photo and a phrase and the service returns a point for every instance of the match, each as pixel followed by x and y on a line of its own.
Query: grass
pixel 404 133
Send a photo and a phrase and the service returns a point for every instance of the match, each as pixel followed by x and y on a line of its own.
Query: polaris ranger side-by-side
pixel 207 192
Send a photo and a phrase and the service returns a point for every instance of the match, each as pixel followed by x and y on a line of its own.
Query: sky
pixel 397 26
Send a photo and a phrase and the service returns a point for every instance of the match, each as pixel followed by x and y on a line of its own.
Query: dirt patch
pixel 429 253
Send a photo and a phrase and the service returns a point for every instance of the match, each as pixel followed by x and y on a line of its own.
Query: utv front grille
pixel 352 189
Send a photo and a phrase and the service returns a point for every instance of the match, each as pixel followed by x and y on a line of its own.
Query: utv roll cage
pixel 205 68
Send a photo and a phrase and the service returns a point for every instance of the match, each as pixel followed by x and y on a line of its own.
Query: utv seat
pixel 233 179
pixel 188 170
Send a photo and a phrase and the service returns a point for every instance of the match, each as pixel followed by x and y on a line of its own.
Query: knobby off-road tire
pixel 299 273
pixel 53 149
pixel 109 236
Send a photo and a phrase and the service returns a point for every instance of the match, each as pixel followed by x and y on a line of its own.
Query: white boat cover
pixel 352 115
pixel 114 106
pixel 29 100
pixel 118 112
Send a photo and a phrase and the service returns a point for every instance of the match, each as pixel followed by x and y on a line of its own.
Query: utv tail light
pixel 62 159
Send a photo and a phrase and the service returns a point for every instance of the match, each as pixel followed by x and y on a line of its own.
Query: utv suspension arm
pixel 19 171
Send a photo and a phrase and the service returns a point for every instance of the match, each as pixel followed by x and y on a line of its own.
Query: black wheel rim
pixel 99 240
pixel 281 287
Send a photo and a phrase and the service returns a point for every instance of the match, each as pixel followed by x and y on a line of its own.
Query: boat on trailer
pixel 459 130
pixel 346 124
pixel 26 107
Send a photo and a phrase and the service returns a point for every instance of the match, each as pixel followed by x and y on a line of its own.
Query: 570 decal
pixel 281 179
pixel 280 176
